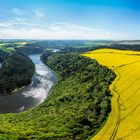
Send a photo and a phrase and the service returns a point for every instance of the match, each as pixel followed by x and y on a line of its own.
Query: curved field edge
pixel 88 74
pixel 126 92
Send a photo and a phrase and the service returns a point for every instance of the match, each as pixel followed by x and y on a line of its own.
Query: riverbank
pixel 32 95
pixel 72 109
pixel 17 71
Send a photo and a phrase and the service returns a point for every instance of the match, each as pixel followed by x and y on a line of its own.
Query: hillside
pixel 17 71
pixel 75 109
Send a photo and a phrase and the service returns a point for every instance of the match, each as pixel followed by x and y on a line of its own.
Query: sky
pixel 70 19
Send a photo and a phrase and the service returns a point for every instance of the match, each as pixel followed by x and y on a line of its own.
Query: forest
pixel 30 49
pixel 3 56
pixel 17 71
pixel 76 108
pixel 81 97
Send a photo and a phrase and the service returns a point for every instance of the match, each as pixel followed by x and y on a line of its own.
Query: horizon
pixel 30 39
pixel 70 20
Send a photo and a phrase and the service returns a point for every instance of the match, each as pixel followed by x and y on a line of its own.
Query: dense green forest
pixel 133 47
pixel 17 71
pixel 81 93
pixel 30 49
pixel 85 45
pixel 3 56
pixel 76 108
pixel 80 46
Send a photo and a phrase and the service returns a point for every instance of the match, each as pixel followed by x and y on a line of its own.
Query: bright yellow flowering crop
pixel 124 120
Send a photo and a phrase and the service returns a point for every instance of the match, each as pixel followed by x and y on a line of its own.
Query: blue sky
pixel 70 19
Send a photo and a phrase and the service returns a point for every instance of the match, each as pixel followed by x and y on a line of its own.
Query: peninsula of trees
pixel 16 72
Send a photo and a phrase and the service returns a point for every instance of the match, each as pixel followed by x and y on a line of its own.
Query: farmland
pixel 123 122
pixel 3 47
pixel 9 46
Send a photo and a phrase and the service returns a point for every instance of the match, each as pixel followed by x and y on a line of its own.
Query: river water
pixel 32 95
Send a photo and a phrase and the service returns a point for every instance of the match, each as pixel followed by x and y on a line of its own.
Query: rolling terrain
pixel 123 122
pixel 76 107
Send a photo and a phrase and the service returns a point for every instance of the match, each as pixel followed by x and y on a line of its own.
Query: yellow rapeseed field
pixel 124 120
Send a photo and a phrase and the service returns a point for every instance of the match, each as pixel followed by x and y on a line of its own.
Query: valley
pixel 104 81
pixel 32 94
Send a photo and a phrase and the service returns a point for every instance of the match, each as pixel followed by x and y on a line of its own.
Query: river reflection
pixel 34 94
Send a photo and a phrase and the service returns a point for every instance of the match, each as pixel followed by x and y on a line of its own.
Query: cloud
pixel 39 14
pixel 19 28
pixel 22 27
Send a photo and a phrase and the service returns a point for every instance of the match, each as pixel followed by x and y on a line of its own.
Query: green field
pixel 92 44
pixel 5 48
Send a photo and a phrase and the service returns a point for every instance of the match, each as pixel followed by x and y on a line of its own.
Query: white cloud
pixel 21 29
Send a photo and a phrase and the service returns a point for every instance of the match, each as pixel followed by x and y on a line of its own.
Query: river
pixel 32 95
